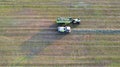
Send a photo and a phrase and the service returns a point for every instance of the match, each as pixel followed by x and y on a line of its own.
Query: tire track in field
pixel 96 31
pixel 53 31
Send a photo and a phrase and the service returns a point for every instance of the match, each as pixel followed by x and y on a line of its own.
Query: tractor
pixel 64 29
pixel 64 24
pixel 69 20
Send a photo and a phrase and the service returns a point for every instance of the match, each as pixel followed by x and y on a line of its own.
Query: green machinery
pixel 63 24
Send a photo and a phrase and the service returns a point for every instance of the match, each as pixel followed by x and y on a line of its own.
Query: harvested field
pixel 28 35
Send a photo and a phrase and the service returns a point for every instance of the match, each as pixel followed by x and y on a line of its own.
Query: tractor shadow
pixel 38 42
pixel 74 25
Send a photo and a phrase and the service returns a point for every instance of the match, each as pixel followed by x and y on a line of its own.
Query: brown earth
pixel 40 44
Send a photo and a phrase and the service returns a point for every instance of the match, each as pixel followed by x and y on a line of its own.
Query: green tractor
pixel 63 21
pixel 63 24
pixel 66 21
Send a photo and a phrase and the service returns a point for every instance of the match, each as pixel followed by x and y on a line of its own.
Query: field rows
pixel 65 60
pixel 28 35
pixel 31 16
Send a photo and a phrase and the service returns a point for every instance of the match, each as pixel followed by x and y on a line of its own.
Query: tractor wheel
pixel 73 21
pixel 78 22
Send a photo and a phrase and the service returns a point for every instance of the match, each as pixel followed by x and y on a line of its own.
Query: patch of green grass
pixel 8 10
pixel 114 65
pixel 5 22
pixel 97 13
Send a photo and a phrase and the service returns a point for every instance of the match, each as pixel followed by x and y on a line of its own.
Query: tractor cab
pixel 76 21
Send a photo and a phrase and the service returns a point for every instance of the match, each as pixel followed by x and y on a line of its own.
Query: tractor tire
pixel 73 21
pixel 78 22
